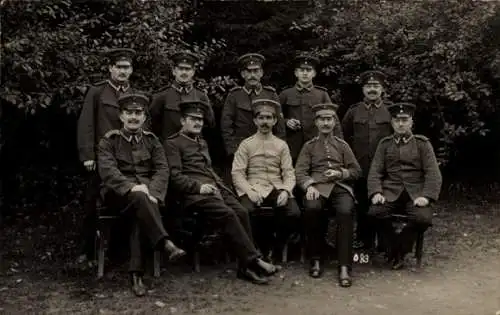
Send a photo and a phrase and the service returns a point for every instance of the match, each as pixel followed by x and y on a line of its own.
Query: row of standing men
pixel 294 120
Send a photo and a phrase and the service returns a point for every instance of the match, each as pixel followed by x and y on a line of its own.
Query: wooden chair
pixel 419 244
pixel 104 222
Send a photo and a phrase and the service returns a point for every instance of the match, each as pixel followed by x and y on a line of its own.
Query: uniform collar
pixel 128 136
pixel 119 87
pixel 182 88
pixel 196 139
pixel 257 89
pixel 403 138
pixel 377 104
pixel 300 87
pixel 326 138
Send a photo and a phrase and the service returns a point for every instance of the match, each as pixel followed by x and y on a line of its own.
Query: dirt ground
pixel 461 275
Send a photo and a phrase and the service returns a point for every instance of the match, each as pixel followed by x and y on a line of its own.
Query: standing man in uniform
pixel 237 116
pixel 297 105
pixel 100 114
pixel 404 178
pixel 326 169
pixel 263 175
pixel 165 113
pixel 364 125
pixel 134 173
pixel 201 189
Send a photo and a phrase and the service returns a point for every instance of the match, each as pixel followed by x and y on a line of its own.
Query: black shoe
pixel 251 276
pixel 399 262
pixel 173 251
pixel 316 271
pixel 345 280
pixel 137 285
pixel 265 272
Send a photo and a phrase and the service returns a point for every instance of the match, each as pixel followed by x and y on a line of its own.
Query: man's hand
pixel 421 202
pixel 255 197
pixel 89 165
pixel 312 193
pixel 208 189
pixel 142 188
pixel 333 174
pixel 282 199
pixel 378 198
pixel 293 124
pixel 153 199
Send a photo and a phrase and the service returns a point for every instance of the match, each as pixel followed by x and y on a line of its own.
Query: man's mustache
pixel 266 125
pixel 133 121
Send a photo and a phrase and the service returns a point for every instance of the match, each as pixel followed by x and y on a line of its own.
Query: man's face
pixel 192 124
pixel 305 75
pixel 325 123
pixel 265 121
pixel 121 71
pixel 183 72
pixel 252 76
pixel 373 90
pixel 133 119
pixel 402 125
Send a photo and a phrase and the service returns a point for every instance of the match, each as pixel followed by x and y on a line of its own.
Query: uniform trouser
pixel 283 221
pixel 90 214
pixel 228 215
pixel 316 214
pixel 145 219
pixel 365 231
pixel 420 218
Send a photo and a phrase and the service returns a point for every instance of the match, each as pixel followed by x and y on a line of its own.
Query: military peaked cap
pixel 251 61
pixel 263 104
pixel 133 101
pixel 306 61
pixel 195 108
pixel 325 109
pixel 185 57
pixel 402 109
pixel 372 75
pixel 118 54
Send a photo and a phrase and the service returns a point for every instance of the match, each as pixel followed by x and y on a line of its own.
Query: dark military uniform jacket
pixel 190 167
pixel 320 154
pixel 165 113
pixel 237 116
pixel 297 103
pixel 363 126
pixel 126 160
pixel 405 164
pixel 100 114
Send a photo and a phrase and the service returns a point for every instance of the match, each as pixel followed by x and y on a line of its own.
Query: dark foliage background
pixel 442 55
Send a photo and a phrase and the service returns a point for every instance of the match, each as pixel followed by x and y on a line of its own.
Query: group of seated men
pixel 137 170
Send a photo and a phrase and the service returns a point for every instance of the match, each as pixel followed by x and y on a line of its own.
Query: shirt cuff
pixel 345 173
pixel 308 183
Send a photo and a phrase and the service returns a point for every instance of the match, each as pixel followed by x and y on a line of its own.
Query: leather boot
pixel 137 285
pixel 316 270
pixel 173 251
pixel 344 277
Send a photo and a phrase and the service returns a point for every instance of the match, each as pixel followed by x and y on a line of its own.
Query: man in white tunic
pixel 263 176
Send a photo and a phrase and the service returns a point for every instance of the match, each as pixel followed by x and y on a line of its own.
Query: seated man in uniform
pixel 200 188
pixel 404 177
pixel 325 170
pixel 134 174
pixel 263 175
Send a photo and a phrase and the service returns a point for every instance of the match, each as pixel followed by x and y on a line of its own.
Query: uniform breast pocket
pixel 360 125
pixel 141 155
pixel 112 111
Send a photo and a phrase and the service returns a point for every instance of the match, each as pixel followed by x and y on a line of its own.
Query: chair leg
pixel 103 235
pixel 284 254
pixel 196 260
pixel 419 248
pixel 156 263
